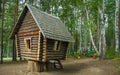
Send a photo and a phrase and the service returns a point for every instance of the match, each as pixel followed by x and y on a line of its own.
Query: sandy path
pixel 87 66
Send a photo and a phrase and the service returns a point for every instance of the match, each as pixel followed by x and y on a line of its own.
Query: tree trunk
pixel 103 40
pixel 116 28
pixel 93 43
pixel 2 31
pixel 91 37
pixel 15 20
pixel 80 32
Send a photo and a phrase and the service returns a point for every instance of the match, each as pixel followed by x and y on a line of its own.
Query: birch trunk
pixel 102 40
pixel 116 28
pixel 99 32
pixel 85 39
pixel 91 37
pixel 80 32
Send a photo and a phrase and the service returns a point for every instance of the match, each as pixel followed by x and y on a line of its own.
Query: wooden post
pixel 16 44
pixel 43 63
pixel 33 66
pixel 67 50
pixel 38 53
pixel 44 49
pixel 14 51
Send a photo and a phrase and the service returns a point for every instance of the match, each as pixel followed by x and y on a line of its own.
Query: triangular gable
pixel 19 22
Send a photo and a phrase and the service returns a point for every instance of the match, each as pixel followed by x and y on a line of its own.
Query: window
pixel 57 45
pixel 28 43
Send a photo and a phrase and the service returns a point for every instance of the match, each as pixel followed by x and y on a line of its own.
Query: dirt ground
pixel 86 66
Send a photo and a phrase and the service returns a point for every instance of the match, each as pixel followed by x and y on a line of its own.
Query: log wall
pixel 52 54
pixel 28 29
pixel 28 24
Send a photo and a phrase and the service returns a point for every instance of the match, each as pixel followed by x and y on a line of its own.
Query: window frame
pixel 25 41
pixel 57 45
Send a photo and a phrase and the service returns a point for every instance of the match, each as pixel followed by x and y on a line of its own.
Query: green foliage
pixel 110 53
pixel 76 54
pixel 118 68
pixel 117 57
pixel 69 12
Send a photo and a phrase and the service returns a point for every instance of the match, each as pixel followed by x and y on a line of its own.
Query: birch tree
pixel 117 28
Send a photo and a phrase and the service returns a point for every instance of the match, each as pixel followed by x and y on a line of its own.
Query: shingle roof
pixel 52 27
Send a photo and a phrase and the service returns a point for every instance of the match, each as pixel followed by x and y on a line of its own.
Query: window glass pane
pixel 56 45
pixel 28 43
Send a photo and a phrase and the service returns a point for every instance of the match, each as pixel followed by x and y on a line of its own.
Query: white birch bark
pixel 80 32
pixel 85 38
pixel 102 35
pixel 116 28
pixel 91 37
pixel 99 33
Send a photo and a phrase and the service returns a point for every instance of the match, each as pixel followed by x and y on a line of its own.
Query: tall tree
pixel 15 19
pixel 2 31
pixel 117 28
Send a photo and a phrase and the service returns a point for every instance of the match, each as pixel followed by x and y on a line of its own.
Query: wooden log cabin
pixel 39 36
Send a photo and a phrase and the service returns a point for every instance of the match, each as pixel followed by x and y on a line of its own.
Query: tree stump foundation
pixel 35 66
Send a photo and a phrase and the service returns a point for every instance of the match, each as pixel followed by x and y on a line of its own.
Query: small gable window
pixel 28 43
pixel 57 45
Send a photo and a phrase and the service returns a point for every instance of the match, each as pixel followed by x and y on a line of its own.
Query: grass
pixel 9 59
pixel 118 68
pixel 110 53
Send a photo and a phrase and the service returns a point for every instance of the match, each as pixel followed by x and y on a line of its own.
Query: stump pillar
pixel 35 66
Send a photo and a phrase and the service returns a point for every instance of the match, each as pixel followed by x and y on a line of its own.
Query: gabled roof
pixel 52 27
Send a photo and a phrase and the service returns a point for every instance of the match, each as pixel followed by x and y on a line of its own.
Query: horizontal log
pixel 29 55
pixel 44 57
pixel 35 53
pixel 52 58
pixel 28 33
pixel 26 29
pixel 29 18
pixel 29 58
pixel 43 60
pixel 60 55
pixel 43 54
pixel 29 23
pixel 54 53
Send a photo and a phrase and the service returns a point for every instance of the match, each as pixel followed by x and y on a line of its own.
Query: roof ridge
pixel 43 12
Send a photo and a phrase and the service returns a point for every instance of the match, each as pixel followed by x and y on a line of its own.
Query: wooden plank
pixel 29 58
pixel 58 55
pixel 31 52
pixel 28 33
pixel 29 55
pixel 50 58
